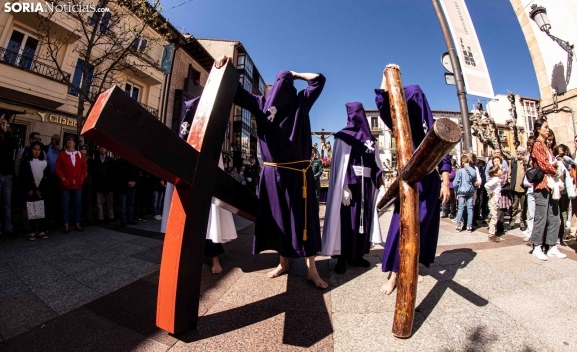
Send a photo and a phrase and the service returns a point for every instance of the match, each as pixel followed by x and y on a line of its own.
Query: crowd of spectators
pixel 77 189
pixel 492 191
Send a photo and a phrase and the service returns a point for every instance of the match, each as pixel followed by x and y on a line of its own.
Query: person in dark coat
pixel 251 174
pixel 126 190
pixel 33 175
pixel 420 120
pixel 8 145
pixel 104 174
pixel 317 166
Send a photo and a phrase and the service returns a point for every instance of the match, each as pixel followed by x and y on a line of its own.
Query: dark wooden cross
pixel 124 127
pixel 412 167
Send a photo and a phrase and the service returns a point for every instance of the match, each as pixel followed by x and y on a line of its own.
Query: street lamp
pixel 539 15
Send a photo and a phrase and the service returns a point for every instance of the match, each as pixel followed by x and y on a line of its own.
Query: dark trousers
pixel 52 201
pixel 547 218
pixel 453 204
pixel 126 205
pixel 564 210
pixel 74 196
pixel 518 206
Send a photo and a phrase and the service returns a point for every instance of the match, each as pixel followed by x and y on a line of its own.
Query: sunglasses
pixel 38 139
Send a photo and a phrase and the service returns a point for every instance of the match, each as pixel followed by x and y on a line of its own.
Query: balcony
pixel 150 109
pixel 193 87
pixel 30 81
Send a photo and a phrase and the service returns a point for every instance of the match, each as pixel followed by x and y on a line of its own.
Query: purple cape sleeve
pixel 313 91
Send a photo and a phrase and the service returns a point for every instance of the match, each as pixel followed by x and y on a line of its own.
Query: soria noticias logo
pixel 52 7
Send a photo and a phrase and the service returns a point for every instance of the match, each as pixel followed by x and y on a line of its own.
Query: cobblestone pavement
pixel 96 291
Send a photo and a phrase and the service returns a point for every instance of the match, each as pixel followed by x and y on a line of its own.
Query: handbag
pixel 35 210
pixel 534 174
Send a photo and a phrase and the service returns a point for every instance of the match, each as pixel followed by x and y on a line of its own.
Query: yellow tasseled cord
pixel 304 171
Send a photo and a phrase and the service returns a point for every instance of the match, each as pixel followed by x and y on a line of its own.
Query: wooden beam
pixel 438 142
pixel 179 286
pixel 409 209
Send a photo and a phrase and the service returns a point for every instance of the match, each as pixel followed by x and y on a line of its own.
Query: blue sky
pixel 351 42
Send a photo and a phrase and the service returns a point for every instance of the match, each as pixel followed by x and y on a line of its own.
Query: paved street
pixel 96 291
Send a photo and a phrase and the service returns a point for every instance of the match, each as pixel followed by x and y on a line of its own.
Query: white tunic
pixel 221 227
pixel 332 226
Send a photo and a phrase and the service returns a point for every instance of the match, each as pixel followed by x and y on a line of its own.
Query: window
pixel 237 113
pixel 244 62
pixel 132 90
pixel 240 61
pixel 261 85
pixel 103 22
pixel 193 74
pixel 374 122
pixel 246 83
pixel 502 136
pixel 21 49
pixel 246 117
pixel 139 44
pixel 78 78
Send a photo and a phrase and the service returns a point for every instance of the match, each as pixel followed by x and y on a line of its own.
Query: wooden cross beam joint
pixel 412 167
pixel 123 126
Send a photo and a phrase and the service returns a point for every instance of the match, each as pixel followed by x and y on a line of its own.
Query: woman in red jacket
pixel 71 170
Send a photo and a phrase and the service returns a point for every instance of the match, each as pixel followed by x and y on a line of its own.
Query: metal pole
pixel 458 76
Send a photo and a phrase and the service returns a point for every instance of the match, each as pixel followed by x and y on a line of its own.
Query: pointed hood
pixel 357 134
pixel 282 94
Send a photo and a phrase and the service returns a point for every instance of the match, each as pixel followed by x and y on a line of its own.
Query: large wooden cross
pixel 124 127
pixel 412 167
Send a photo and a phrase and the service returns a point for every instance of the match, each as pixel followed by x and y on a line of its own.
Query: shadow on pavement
pixel 444 276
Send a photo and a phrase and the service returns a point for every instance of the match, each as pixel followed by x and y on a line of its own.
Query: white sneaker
pixel 538 253
pixel 157 217
pixel 554 252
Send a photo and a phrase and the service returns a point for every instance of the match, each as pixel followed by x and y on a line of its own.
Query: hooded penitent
pixel 284 135
pixel 220 223
pixel 420 120
pixel 356 164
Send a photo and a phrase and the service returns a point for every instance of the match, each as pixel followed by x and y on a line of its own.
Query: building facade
pixel 553 65
pixel 243 139
pixel 37 97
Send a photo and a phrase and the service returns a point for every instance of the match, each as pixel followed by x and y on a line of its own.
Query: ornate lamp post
pixel 539 15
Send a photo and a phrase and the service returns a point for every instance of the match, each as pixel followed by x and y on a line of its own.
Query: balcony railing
pixel 150 109
pixel 28 63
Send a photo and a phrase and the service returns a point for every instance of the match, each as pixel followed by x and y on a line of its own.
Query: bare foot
pixel 278 271
pixel 316 279
pixel 216 268
pixel 313 274
pixel 389 286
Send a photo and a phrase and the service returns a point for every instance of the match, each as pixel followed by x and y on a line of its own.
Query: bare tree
pixel 111 44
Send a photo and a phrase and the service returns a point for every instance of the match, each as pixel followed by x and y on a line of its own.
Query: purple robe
pixel 358 133
pixel 211 249
pixel 285 138
pixel 420 120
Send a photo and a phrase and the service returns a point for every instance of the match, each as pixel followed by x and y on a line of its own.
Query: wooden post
pixel 438 142
pixel 409 211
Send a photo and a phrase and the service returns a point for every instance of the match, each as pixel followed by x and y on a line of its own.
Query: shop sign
pixel 67 121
